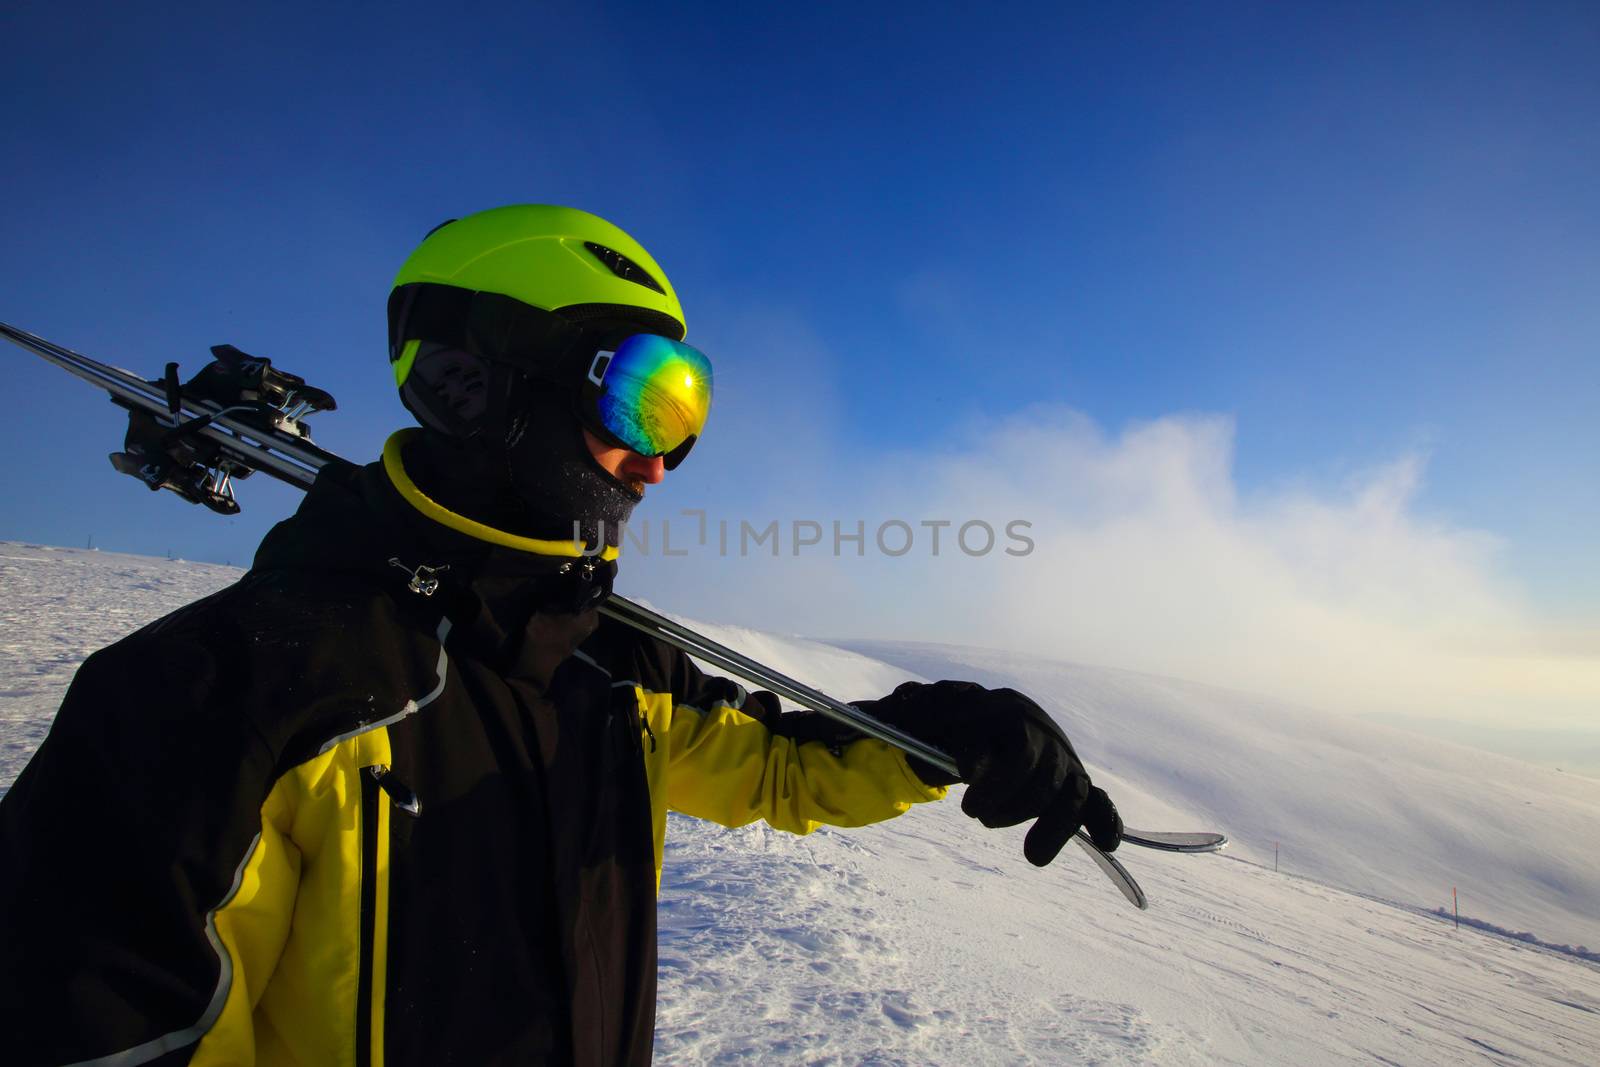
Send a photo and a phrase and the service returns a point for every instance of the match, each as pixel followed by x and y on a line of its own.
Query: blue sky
pixel 1360 235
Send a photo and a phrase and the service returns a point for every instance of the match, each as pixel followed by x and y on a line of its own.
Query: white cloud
pixel 1148 557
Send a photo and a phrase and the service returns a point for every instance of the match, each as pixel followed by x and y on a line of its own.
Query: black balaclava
pixel 505 447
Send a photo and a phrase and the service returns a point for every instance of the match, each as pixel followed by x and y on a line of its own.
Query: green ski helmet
pixel 533 285
pixel 551 258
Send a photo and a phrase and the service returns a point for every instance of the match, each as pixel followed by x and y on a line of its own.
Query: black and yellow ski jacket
pixel 328 817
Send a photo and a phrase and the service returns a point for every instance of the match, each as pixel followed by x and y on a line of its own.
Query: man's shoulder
pixel 635 656
pixel 269 613
pixel 285 652
pixel 658 667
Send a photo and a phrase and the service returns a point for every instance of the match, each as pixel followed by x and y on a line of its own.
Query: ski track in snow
pixel 930 940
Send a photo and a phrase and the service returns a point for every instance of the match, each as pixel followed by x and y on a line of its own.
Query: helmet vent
pixel 623 267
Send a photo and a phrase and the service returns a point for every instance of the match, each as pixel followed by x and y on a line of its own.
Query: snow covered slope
pixel 930 939
pixel 1351 803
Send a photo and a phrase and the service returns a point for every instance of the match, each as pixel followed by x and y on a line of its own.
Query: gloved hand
pixel 1016 761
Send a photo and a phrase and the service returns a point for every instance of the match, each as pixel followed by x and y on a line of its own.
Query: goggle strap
pixel 490 325
pixel 422 311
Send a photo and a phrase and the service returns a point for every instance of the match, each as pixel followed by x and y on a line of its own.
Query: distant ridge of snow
pixel 1580 951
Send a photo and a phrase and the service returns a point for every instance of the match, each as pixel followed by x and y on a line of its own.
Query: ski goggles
pixel 651 395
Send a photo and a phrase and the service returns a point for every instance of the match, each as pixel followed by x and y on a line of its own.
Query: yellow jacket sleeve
pixel 732 768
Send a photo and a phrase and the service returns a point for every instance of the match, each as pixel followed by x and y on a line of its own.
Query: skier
pixel 399 795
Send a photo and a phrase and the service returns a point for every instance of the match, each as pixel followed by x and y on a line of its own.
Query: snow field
pixel 930 940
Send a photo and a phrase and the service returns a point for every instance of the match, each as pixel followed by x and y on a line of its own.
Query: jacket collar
pixel 373 522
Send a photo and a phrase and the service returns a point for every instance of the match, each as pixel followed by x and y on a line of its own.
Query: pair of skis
pixel 241 415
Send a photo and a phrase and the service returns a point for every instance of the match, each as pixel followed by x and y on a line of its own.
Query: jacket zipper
pixel 403 796
pixel 378 782
pixel 371 797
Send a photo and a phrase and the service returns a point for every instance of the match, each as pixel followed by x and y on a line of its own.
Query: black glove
pixel 1016 761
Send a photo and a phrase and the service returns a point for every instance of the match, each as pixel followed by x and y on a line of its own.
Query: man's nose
pixel 646 469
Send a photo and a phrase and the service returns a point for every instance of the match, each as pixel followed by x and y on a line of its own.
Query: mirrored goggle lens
pixel 652 394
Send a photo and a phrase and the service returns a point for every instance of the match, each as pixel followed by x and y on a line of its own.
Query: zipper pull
pixel 404 799
pixel 649 732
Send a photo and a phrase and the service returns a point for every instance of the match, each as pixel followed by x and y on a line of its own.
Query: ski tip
pixel 1125 883
pixel 1175 841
